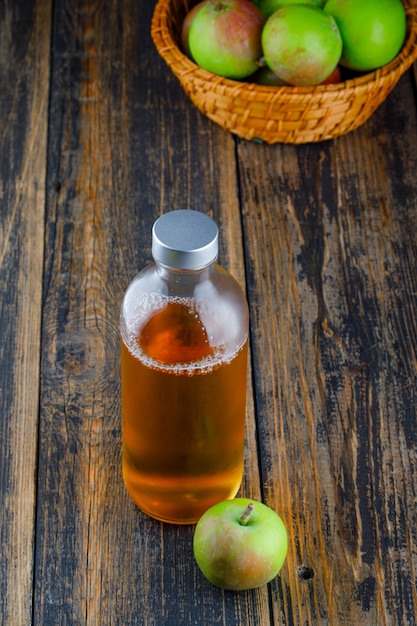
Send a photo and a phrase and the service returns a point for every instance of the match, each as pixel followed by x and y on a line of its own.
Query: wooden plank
pixel 24 70
pixel 125 146
pixel 332 252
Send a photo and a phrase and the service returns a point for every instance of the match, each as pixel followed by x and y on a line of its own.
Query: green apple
pixel 266 77
pixel 301 44
pixel 268 7
pixel 373 31
pixel 225 37
pixel 240 544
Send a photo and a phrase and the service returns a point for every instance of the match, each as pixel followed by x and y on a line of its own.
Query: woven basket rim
pixel 183 67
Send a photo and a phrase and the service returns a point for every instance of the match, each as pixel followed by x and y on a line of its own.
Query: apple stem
pixel 244 518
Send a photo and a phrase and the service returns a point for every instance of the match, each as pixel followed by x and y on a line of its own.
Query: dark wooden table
pixel 97 140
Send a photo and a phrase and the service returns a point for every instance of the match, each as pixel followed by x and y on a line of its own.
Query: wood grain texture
pixel 124 147
pixel 332 251
pixel 97 141
pixel 24 76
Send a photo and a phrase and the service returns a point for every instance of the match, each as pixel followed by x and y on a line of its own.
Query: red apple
pixel 301 44
pixel 225 37
pixel 240 544
pixel 334 77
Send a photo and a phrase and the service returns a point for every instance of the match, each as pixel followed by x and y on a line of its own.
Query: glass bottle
pixel 184 343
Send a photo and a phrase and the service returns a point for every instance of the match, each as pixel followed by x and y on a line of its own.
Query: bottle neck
pixel 182 283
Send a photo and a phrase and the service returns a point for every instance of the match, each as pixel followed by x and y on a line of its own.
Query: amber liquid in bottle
pixel 183 415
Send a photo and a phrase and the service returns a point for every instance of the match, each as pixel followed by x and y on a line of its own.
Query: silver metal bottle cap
pixel 185 239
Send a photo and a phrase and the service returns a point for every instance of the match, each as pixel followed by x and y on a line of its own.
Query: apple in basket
pixel 268 7
pixel 372 31
pixel 224 37
pixel 301 44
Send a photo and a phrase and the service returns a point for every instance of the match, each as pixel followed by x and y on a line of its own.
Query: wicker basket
pixel 279 114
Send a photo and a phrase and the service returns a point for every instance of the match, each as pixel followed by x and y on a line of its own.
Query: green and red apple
pixel 224 37
pixel 240 544
pixel 301 44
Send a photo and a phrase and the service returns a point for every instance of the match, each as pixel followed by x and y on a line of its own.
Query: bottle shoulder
pixel 213 293
pixel 212 282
